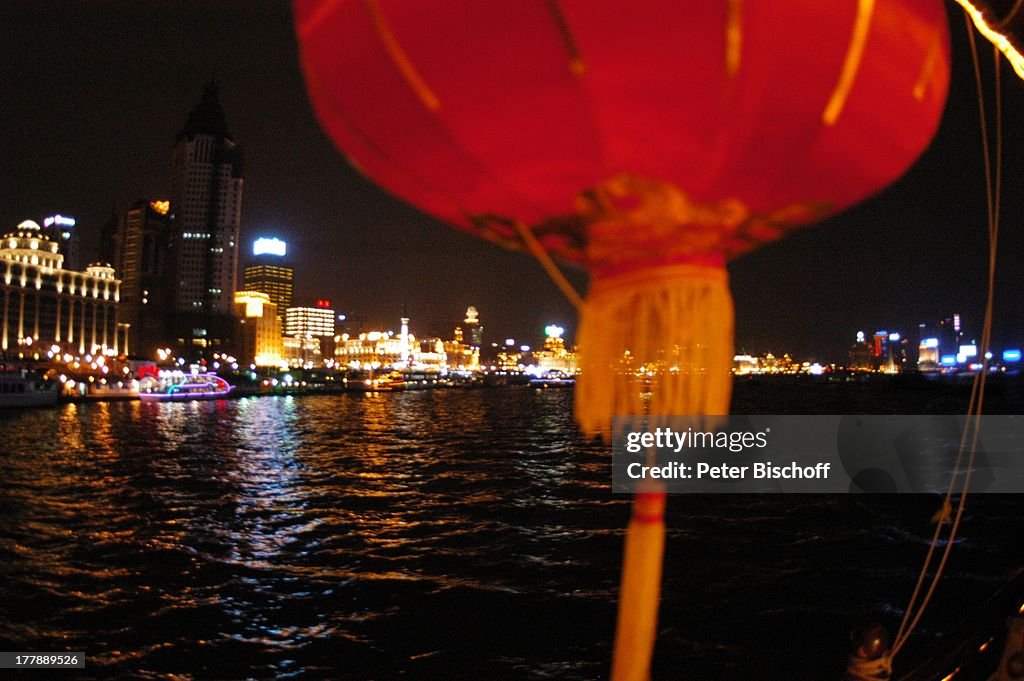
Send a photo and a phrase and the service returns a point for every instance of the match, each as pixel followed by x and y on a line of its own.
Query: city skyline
pixel 911 254
pixel 264 419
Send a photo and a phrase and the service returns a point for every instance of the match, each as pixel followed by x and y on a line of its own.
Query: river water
pixel 431 535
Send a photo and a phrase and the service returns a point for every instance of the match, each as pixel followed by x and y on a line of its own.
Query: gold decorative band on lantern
pixel 653 275
pixel 633 222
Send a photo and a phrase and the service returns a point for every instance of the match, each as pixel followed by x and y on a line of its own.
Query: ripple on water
pixel 432 535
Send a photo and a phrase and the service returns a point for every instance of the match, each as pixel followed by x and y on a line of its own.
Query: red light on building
pixel 879 343
pixel 323 303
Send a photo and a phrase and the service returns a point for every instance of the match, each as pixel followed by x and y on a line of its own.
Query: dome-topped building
pixel 28 244
pixel 44 305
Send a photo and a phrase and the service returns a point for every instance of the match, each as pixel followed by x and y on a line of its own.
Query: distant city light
pixel 161 207
pixel 860 336
pixel 269 246
pixel 969 350
pixel 894 336
pixel 59 220
pixel 948 360
pixel 930 343
pixel 1011 355
pixel 553 331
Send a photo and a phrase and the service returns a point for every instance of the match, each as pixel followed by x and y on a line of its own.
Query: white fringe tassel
pixel 676 324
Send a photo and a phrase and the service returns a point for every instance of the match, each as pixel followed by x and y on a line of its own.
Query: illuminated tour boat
pixel 189 387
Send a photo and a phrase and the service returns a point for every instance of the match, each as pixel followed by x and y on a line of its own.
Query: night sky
pixel 94 93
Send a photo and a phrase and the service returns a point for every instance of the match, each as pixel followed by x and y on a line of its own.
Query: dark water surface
pixel 433 535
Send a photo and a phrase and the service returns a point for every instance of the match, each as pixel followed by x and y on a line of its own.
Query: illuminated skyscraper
pixel 474 328
pixel 862 355
pixel 928 354
pixel 206 200
pixel 950 335
pixel 315 322
pixel 304 324
pixel 268 272
pixel 141 263
pixel 60 229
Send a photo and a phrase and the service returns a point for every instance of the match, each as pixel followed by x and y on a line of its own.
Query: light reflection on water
pixel 447 535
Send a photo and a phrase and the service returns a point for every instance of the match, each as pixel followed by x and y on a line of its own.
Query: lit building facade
pixel 268 271
pixel 141 263
pixel 259 339
pixel 862 354
pixel 461 355
pixel 745 364
pixel 302 352
pixel 928 354
pixel 305 322
pixel 206 200
pixel 510 358
pixel 429 354
pixel 45 305
pixel 555 356
pixel 373 350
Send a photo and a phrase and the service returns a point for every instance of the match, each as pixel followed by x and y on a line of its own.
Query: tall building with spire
pixel 473 326
pixel 206 201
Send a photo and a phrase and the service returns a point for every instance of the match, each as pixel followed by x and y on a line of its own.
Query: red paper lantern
pixel 647 141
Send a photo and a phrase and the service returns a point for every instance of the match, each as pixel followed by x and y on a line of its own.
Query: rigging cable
pixel 972 424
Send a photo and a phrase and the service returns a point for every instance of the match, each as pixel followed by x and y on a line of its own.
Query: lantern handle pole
pixel 538 251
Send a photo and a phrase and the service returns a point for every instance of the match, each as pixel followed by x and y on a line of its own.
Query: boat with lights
pixel 553 379
pixel 193 387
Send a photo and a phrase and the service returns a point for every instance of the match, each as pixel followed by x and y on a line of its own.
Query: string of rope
pixel 975 408
pixel 539 252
